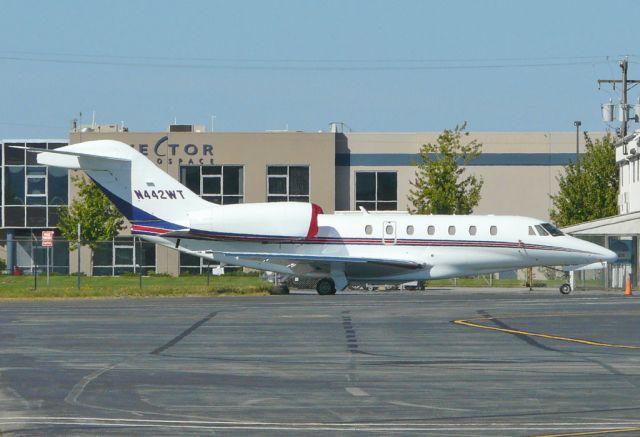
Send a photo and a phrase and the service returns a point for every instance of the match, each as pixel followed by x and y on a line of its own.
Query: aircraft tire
pixel 565 289
pixel 278 290
pixel 326 287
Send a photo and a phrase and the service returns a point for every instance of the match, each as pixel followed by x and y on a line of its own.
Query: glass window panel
pixel 123 256
pixel 36 170
pixel 299 181
pixel 58 186
pixel 55 145
pixel 387 206
pixel 14 216
pixel 211 185
pixel 369 206
pixel 103 254
pixel 54 218
pixel 36 185
pixel 365 186
pixel 211 170
pixel 102 271
pixel 117 271
pixel 368 229
pixel 231 200
pixel 213 199
pixel 276 170
pixel 493 230
pixel 32 157
pixel 431 230
pixel 410 230
pixel 60 252
pixel 13 156
pixel 37 217
pixel 232 180
pixel 277 185
pixel 387 186
pixel 277 199
pixel 452 230
pixel 14 186
pixel 190 177
pixel 36 200
pixel 148 254
pixel 299 198
pixel 189 260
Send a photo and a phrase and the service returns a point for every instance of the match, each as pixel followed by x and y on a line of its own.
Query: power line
pixel 279 65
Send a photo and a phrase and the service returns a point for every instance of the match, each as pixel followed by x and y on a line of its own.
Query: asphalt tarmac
pixel 456 362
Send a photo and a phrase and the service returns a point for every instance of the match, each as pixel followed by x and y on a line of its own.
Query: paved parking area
pixel 457 362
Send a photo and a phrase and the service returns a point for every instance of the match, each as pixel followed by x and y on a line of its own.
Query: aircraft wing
pixel 319 260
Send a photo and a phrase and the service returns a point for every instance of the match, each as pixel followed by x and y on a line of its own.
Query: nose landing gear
pixel 565 289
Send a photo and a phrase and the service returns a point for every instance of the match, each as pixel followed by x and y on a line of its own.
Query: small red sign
pixel 47 238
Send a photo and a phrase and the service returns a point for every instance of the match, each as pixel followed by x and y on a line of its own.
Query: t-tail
pixel 148 197
pixel 157 204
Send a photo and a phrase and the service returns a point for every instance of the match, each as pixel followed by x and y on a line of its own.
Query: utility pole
pixel 577 124
pixel 624 106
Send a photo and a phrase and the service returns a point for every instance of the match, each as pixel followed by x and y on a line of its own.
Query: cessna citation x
pixel 297 239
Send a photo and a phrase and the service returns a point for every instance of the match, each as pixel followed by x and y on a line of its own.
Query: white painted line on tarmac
pixel 355 391
pixel 429 407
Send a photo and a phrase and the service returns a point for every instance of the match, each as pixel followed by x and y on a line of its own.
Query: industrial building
pixel 336 169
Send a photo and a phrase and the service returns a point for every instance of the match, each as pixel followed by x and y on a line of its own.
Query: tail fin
pixel 144 194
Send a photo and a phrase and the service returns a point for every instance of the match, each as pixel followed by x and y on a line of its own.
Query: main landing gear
pixel 565 289
pixel 326 286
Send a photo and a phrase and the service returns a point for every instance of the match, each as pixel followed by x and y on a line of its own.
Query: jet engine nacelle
pixel 262 221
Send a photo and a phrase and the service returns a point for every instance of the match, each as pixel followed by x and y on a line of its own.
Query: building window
pixel 377 190
pixel 195 265
pixel 31 193
pixel 124 255
pixel 287 183
pixel 221 184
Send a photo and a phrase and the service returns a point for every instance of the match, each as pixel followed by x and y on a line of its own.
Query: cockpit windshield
pixel 552 229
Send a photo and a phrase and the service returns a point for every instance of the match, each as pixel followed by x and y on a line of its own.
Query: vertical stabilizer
pixel 148 197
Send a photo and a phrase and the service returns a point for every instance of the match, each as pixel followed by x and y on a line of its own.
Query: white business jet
pixel 297 239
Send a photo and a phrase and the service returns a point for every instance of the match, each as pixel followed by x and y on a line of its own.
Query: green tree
pixel 588 190
pixel 440 185
pixel 98 217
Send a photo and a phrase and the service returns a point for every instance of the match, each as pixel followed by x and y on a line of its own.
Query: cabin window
pixel 431 230
pixel 388 229
pixel 531 231
pixel 452 230
pixel 410 230
pixel 493 230
pixel 377 190
pixel 368 229
pixel 472 230
pixel 541 230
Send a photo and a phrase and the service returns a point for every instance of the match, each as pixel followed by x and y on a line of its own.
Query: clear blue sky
pixel 257 65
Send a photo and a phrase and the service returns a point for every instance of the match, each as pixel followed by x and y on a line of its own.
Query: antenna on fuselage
pixel 363 210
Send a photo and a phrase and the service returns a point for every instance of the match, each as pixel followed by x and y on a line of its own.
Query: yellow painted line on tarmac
pixel 600 432
pixel 541 335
